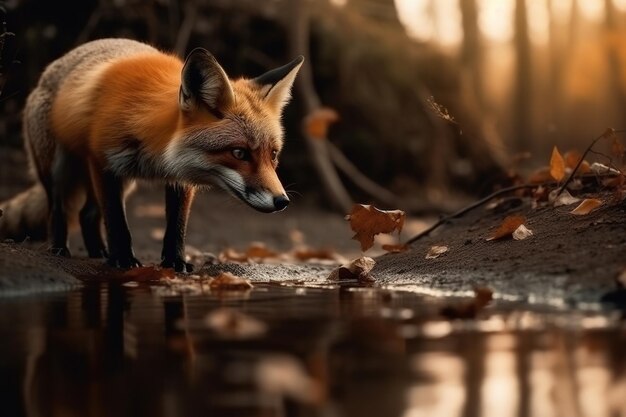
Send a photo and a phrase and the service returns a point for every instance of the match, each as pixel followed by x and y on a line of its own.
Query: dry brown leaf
pixel 435 251
pixel 469 309
pixel 522 232
pixel 587 206
pixel 256 251
pixel 316 124
pixel 557 165
pixel 571 158
pixel 614 182
pixel 396 248
pixel 564 199
pixel 306 254
pixel 601 169
pixel 358 269
pixel 226 281
pixel 540 176
pixel 148 274
pixel 507 227
pixel 367 221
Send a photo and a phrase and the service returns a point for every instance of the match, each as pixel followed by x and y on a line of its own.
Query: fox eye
pixel 274 156
pixel 241 154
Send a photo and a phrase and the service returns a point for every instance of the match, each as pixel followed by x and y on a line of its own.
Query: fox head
pixel 231 133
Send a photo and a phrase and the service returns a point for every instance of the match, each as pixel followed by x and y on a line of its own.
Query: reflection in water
pixel 284 351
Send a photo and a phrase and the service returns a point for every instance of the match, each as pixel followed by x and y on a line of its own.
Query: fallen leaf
pixel 587 206
pixel 148 274
pixel 557 165
pixel 599 169
pixel 231 323
pixel 317 122
pixel 367 221
pixel 229 282
pixel 306 254
pixel 614 182
pixel 571 158
pixel 522 232
pixel 396 248
pixel 469 309
pixel 507 227
pixel 564 199
pixel 358 269
pixel 540 176
pixel 435 251
pixel 256 252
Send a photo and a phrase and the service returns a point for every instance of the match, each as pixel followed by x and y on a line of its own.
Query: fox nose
pixel 280 202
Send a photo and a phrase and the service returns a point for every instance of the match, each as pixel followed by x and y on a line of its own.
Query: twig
pixel 607 134
pixel 471 207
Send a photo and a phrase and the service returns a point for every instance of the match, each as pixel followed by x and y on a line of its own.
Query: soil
pixel 570 261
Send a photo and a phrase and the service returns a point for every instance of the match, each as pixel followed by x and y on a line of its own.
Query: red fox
pixel 114 110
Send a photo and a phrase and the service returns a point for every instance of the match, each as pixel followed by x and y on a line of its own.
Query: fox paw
pixel 123 261
pixel 178 264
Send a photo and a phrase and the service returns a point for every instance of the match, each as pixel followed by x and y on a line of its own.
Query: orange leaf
pixel 367 221
pixel 615 182
pixel 557 165
pixel 228 281
pixel 148 274
pixel 587 206
pixel 507 227
pixel 316 124
pixel 305 254
pixel 571 159
pixel 540 176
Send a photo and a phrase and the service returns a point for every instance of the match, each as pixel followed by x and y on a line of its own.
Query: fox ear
pixel 204 80
pixel 276 84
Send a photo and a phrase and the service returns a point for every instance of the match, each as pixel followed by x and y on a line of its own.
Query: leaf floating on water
pixel 148 274
pixel 507 227
pixel 226 281
pixel 557 165
pixel 367 221
pixel 435 251
pixel 522 232
pixel 359 269
pixel 469 309
pixel 230 323
pixel 587 206
pixel 564 199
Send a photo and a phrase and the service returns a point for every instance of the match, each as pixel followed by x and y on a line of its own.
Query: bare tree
pixel 522 123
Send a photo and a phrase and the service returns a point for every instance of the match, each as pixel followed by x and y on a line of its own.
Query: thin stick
pixel 607 134
pixel 472 206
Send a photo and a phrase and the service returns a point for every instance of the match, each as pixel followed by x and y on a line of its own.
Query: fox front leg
pixel 178 199
pixel 109 190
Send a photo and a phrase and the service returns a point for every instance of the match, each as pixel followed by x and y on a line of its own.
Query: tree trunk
pixel 522 107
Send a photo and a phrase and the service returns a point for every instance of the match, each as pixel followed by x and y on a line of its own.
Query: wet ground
pixel 550 344
pixel 280 350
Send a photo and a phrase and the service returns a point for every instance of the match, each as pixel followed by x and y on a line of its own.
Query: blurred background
pixel 404 103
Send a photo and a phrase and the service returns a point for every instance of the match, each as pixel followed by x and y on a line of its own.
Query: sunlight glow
pixel 440 21
pixel 592 9
pixel 495 19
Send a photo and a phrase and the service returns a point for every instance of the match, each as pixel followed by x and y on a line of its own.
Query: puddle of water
pixel 112 350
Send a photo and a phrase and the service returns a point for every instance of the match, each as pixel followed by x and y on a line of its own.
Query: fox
pixel 113 111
